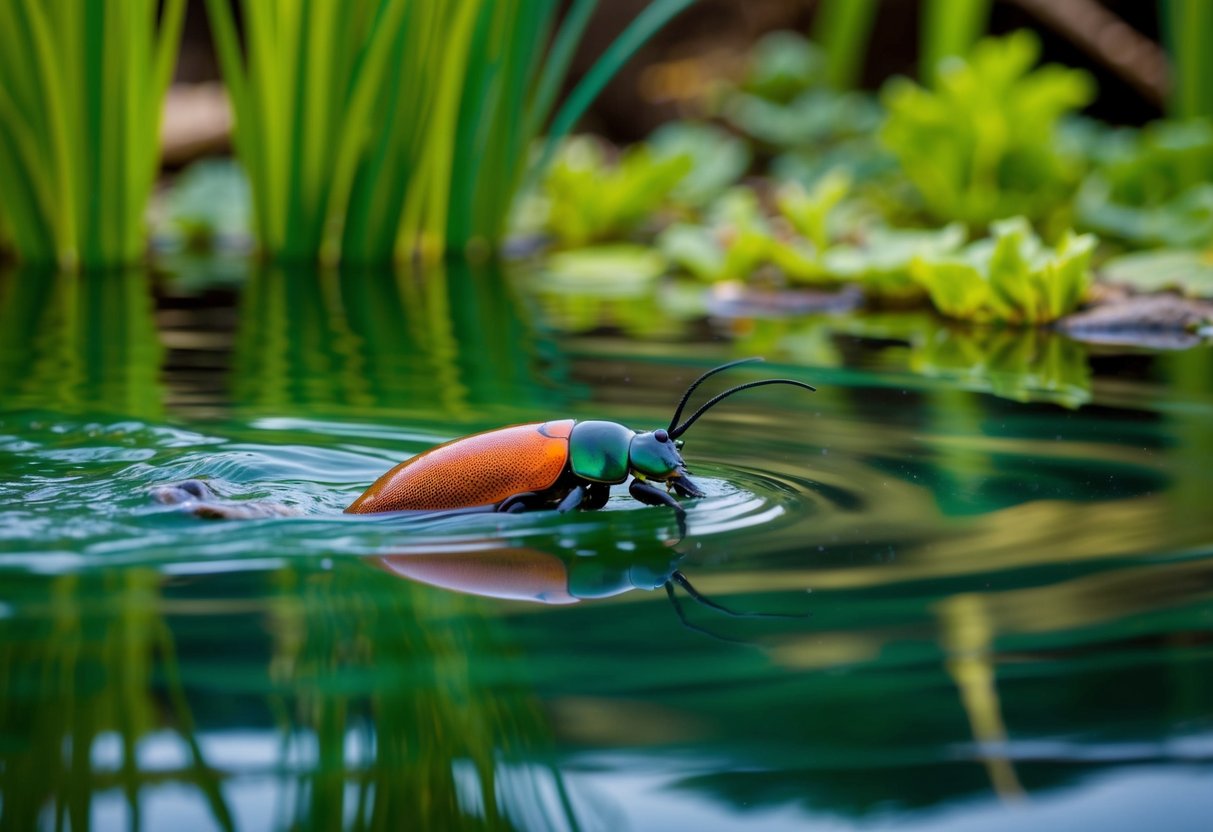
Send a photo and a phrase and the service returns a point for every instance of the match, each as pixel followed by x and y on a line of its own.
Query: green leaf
pixel 1009 278
pixel 983 144
pixel 1188 270
pixel 718 159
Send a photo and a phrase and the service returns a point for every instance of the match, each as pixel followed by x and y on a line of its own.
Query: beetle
pixel 558 576
pixel 562 464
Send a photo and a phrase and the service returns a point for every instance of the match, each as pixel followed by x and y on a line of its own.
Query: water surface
pixel 992 550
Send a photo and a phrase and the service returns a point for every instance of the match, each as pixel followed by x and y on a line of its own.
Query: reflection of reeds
pixel 81 664
pixel 426 685
pixel 81 89
pixel 80 344
pixel 448 341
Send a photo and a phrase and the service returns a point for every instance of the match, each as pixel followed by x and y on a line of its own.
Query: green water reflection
pixel 1002 540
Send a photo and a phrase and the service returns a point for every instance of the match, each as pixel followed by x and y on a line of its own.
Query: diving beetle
pixel 563 464
pixel 558 575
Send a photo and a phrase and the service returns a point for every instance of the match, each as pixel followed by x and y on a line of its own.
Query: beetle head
pixel 656 455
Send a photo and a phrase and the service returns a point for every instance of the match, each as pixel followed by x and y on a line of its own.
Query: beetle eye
pixel 661 435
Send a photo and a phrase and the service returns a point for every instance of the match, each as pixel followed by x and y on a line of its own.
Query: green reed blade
pixel 81 124
pixel 949 28
pixel 655 16
pixel 842 28
pixel 1188 29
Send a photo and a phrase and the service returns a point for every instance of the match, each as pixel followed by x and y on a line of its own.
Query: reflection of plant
pixel 1010 278
pixel 1025 365
pixel 433 688
pixel 449 340
pixel 81 91
pixel 77 344
pixel 982 144
pixel 95 663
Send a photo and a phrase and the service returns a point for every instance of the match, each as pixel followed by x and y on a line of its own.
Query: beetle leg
pixel 598 495
pixel 516 503
pixel 651 495
pixel 685 486
pixel 573 499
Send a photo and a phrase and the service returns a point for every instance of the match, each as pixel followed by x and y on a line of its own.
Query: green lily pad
pixel 605 270
pixel 1188 270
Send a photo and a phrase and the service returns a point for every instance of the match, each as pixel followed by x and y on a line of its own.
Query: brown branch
pixel 1141 62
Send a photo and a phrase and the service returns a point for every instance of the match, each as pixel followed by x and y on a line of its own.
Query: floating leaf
pixel 1188 270
pixel 615 268
pixel 882 261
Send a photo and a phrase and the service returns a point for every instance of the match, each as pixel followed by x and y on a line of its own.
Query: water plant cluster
pixel 982 190
pixel 367 132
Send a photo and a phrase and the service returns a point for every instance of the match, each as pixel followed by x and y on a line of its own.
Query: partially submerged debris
pixel 1164 321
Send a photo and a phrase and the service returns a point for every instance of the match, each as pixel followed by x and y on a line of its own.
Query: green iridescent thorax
pixel 654 459
pixel 598 451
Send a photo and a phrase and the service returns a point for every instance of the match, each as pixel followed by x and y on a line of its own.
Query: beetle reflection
pixel 559 574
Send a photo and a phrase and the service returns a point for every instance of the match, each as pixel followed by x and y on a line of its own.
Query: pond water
pixel 990 555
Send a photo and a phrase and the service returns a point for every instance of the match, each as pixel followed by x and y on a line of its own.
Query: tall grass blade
pixel 1188 30
pixel 655 16
pixel 949 29
pixel 82 87
pixel 842 28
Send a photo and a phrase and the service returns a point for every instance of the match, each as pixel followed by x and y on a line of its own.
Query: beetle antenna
pixel 700 380
pixel 710 403
pixel 677 577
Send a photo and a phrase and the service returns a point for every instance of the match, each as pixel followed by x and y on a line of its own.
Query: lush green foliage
pixel 1153 186
pixel 81 91
pixel 740 241
pixel 982 145
pixel 207 203
pixel 589 200
pixel 1010 277
pixel 880 259
pixel 384 129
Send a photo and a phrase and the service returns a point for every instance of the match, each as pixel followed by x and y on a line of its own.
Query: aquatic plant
pixel 739 240
pixel 949 28
pixel 81 92
pixel 1190 271
pixel 1187 27
pixel 1010 277
pixel 207 203
pixel 1152 186
pixel 589 200
pixel 842 28
pixel 880 259
pixel 982 144
pixel 393 128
